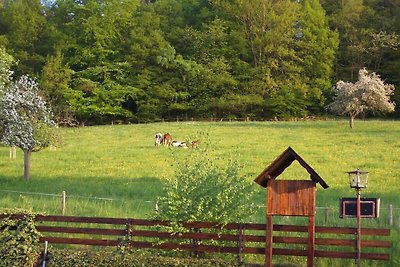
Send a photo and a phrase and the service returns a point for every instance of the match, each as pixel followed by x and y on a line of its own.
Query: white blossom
pixel 25 116
pixel 369 93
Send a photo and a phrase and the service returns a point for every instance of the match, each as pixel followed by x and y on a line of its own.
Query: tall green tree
pixel 55 84
pixel 24 22
pixel 95 48
pixel 317 46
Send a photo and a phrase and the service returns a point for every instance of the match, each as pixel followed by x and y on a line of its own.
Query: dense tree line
pixel 99 61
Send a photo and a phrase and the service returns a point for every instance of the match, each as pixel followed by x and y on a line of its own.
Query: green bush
pixel 19 239
pixel 207 188
pixel 73 258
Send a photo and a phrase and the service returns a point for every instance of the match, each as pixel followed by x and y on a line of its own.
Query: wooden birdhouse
pixel 289 198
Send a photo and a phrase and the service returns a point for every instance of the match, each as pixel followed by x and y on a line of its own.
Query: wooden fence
pixel 202 237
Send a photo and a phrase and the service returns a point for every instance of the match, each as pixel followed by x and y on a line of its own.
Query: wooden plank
pixel 290 228
pixel 199 236
pixel 80 230
pixel 350 242
pixel 290 197
pixel 187 247
pixel 351 255
pixel 289 252
pixel 80 241
pixel 351 230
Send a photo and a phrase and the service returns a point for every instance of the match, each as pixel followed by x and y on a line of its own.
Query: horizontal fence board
pixel 289 252
pixel 80 241
pixel 186 247
pixel 351 230
pixel 81 230
pixel 351 255
pixel 351 242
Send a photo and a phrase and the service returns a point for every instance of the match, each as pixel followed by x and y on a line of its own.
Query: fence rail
pixel 200 237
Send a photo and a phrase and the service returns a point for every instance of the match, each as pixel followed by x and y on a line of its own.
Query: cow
pixel 179 144
pixel 167 139
pixel 159 139
pixel 195 144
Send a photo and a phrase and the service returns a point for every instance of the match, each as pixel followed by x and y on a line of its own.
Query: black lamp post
pixel 358 179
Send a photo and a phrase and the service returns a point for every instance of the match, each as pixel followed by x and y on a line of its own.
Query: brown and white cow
pixel 167 139
pixel 158 139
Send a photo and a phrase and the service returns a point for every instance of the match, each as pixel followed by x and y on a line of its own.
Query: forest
pixel 134 61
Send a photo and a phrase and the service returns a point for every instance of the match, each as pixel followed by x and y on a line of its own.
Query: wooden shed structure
pixel 289 198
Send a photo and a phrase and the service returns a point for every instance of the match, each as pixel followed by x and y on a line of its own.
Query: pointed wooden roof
pixel 281 163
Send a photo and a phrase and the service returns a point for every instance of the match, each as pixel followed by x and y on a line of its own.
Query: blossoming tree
pixel 26 119
pixel 369 93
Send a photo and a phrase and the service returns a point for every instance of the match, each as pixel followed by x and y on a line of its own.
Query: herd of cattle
pixel 166 140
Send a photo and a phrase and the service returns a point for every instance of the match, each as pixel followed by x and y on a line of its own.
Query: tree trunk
pixel 27 164
pixel 351 122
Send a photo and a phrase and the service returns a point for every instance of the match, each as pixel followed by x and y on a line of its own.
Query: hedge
pixel 73 258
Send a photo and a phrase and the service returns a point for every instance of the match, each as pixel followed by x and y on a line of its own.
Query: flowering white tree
pixel 26 119
pixel 369 93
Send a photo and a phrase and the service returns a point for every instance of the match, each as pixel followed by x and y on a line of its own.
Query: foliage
pixel 5 78
pixel 6 61
pixel 19 239
pixel 206 188
pixel 109 61
pixel 369 93
pixel 72 258
pixel 55 83
pixel 26 119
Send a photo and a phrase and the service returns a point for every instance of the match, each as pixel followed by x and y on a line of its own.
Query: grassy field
pixel 116 171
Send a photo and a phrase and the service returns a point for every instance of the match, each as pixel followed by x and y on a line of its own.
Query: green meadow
pixel 116 171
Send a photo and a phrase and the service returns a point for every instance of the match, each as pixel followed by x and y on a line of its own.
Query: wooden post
pixel 13 152
pixel 44 254
pixel 390 214
pixel 326 214
pixel 240 245
pixel 268 241
pixel 128 230
pixel 358 261
pixel 63 202
pixel 311 241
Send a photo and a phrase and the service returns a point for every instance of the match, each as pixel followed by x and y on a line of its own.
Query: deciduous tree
pixel 369 93
pixel 27 119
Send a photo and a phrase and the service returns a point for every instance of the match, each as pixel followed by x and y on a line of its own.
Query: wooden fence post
pixel 390 214
pixel 326 215
pixel 268 241
pixel 128 233
pixel 13 152
pixel 63 202
pixel 240 244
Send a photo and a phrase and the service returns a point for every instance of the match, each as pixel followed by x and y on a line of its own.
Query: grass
pixel 116 171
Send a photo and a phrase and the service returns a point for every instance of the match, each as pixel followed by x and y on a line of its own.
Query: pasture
pixel 116 171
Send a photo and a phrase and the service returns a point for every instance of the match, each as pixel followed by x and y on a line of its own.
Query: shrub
pixel 207 188
pixel 72 258
pixel 19 239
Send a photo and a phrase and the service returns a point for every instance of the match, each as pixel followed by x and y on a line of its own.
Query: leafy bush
pixel 19 239
pixel 72 258
pixel 207 188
